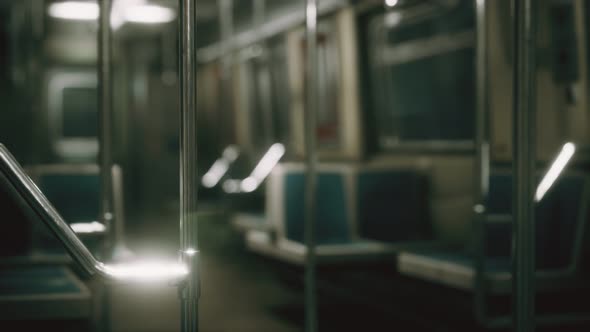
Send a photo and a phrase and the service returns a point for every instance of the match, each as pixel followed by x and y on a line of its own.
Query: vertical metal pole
pixel 311 102
pixel 525 25
pixel 262 74
pixel 188 165
pixel 105 102
pixel 482 169
pixel 226 27
pixel 37 22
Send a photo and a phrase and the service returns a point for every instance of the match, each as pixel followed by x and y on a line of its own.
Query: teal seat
pixel 332 213
pixel 29 291
pixel 42 292
pixel 27 280
pixel 74 190
pixel 76 196
pixel 355 208
pixel 560 217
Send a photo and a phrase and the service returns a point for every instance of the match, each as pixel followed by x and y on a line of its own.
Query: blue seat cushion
pixel 491 264
pixel 331 208
pixel 75 196
pixel 36 280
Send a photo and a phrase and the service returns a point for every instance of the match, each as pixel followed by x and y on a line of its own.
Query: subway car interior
pixel 294 165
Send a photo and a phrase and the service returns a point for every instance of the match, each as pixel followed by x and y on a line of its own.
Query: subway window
pixel 417 54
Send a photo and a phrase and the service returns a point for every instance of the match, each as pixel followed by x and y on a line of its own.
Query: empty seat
pixel 356 206
pixel 560 218
pixel 74 190
pixel 42 292
pixel 30 291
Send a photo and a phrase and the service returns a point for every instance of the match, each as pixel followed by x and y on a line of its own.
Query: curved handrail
pixel 130 272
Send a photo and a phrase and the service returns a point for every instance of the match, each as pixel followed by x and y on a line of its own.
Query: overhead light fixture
pixel 391 3
pixel 134 11
pixel 74 10
pixel 149 14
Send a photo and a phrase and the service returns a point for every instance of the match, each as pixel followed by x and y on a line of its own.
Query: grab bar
pixel 129 272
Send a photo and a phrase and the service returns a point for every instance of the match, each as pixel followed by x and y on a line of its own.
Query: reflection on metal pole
pixel 525 15
pixel 311 82
pixel 188 165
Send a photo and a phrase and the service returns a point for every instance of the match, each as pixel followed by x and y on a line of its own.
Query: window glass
pixel 423 77
pixel 80 116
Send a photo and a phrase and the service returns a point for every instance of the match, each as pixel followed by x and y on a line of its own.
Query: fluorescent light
pixel 268 162
pixel 74 10
pixel 231 153
pixel 147 271
pixel 249 184
pixel 231 186
pixel 264 167
pixel 119 9
pixel 270 159
pixel 393 19
pixel 88 227
pixel 311 14
pixel 215 173
pixel 391 3
pixel 564 156
pixel 149 14
pixel 220 167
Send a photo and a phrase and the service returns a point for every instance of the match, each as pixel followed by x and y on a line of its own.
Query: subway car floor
pixel 241 291
pixel 244 292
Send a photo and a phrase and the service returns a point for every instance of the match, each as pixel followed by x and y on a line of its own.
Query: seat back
pixel 392 204
pixel 384 204
pixel 15 237
pixel 332 213
pixel 74 190
pixel 560 218
pixel 75 195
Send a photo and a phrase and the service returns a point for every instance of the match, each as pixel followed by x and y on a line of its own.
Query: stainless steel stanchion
pixel 525 24
pixel 105 84
pixel 188 165
pixel 311 103
pixel 105 103
pixel 482 170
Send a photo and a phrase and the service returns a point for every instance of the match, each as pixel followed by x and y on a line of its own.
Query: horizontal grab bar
pixel 124 272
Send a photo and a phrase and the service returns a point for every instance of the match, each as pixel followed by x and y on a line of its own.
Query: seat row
pixel 36 279
pixel 382 214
